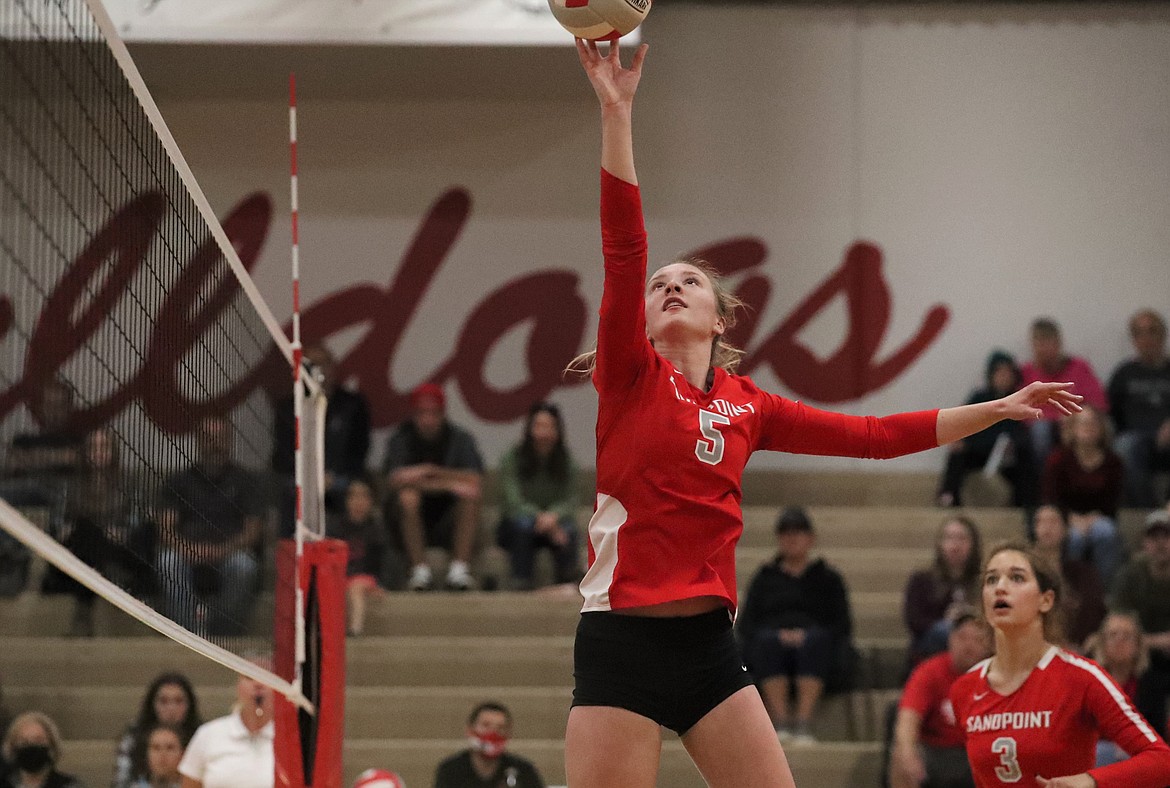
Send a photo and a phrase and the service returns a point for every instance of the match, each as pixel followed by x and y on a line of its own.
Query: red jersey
pixel 670 456
pixel 1049 727
pixel 928 694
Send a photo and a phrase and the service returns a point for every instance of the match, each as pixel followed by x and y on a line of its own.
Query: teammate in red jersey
pixel 1033 712
pixel 675 428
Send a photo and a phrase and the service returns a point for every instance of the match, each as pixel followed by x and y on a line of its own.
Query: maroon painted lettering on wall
pixel 549 303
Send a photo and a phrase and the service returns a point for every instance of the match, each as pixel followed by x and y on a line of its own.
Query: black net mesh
pixel 136 377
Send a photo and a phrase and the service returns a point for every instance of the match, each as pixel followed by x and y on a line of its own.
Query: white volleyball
pixel 599 20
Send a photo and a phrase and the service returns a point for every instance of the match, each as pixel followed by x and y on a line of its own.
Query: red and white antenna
pixel 298 388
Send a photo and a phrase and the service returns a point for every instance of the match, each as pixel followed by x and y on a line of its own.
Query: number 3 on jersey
pixel 709 448
pixel 1009 769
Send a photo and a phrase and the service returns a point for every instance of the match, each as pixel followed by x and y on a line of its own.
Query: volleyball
pixel 599 20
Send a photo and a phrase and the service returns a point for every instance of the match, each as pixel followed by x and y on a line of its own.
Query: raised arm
pixel 615 88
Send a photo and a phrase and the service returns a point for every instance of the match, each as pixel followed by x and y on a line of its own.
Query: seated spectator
pixel 360 526
pixel 1083 477
pixel 929 745
pixel 100 527
pixel 347 438
pixel 935 596
pixel 486 762
pixel 538 483
pixel 1008 441
pixel 164 750
pixel 1143 586
pixel 1050 364
pixel 32 749
pixel 169 700
pixel 211 526
pixel 435 476
pixel 38 464
pixel 1139 402
pixel 379 778
pixel 795 626
pixel 1083 603
pixel 234 751
pixel 1119 647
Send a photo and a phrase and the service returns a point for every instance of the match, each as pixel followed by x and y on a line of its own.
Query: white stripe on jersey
pixel 603 536
pixel 1114 693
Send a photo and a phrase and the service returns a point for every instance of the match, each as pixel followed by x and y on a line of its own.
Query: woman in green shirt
pixel 539 498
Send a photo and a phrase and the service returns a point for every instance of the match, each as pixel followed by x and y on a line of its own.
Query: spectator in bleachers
pixel 928 743
pixel 934 596
pixel 1083 476
pixel 487 762
pixel 1139 402
pixel 32 750
pixel 1119 647
pixel 361 527
pixel 1143 586
pixel 539 499
pixel 100 528
pixel 1084 593
pixel 434 473
pixel 1050 364
pixel 796 627
pixel 169 700
pixel 347 438
pixel 211 527
pixel 164 750
pixel 38 464
pixel 1007 444
pixel 236 750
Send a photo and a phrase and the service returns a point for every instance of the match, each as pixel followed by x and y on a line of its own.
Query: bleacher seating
pixel 426 659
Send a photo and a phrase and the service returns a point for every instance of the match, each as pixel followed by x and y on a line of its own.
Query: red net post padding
pixel 308 747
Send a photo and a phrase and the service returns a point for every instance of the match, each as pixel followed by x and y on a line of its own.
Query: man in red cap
pixel 435 476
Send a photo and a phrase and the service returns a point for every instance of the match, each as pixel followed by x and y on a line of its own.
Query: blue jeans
pixel 226 610
pixel 518 536
pixel 1140 455
pixel 1109 753
pixel 1101 545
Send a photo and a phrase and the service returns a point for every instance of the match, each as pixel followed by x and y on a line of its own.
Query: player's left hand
pixel 1075 781
pixel 1025 404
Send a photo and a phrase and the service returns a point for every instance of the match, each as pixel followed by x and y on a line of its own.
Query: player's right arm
pixel 622 347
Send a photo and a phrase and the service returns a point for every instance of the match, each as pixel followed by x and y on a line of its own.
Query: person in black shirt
pixel 1139 404
pixel 347 438
pixel 434 473
pixel 38 464
pixel 794 624
pixel 486 762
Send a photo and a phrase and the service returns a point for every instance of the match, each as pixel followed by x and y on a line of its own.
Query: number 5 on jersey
pixel 709 448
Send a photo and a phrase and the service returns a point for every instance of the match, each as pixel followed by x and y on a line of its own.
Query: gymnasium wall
pixel 896 190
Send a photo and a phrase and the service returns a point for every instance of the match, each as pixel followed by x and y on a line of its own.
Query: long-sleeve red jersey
pixel 1049 727
pixel 670 457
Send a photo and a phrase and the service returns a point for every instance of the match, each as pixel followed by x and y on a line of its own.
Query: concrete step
pixel 822 765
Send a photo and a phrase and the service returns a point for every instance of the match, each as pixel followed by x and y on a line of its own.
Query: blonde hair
pixel 52 733
pixel 727 303
pixel 1068 426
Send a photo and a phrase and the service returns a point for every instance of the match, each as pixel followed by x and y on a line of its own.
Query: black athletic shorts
pixel 670 670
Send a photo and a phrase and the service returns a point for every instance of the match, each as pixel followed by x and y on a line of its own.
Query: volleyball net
pixel 141 373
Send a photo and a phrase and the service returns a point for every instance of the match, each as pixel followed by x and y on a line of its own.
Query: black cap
pixel 1158 522
pixel 793 518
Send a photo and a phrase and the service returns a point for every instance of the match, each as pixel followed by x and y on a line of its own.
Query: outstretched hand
pixel 613 84
pixel 1025 404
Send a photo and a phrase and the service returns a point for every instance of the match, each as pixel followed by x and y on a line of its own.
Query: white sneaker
pixel 420 578
pixel 459 577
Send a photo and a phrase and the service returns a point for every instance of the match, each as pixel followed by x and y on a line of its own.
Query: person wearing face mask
pixel 234 751
pixel 32 748
pixel 486 763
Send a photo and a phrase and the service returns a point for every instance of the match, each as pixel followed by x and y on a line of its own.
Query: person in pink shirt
pixel 1050 364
